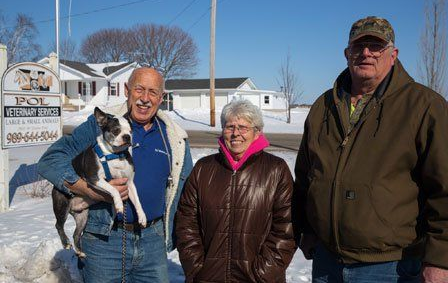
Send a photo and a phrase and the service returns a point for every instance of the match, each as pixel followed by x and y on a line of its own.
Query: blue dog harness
pixel 104 158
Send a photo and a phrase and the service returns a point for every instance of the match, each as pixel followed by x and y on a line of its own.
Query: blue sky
pixel 252 36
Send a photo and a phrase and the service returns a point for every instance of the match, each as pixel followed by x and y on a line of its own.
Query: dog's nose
pixel 127 139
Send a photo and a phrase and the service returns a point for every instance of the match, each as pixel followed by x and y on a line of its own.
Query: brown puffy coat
pixel 235 226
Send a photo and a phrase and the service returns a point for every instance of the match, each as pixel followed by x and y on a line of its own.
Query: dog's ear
pixel 101 117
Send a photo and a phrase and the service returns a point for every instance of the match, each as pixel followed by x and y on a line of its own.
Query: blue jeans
pixel 146 259
pixel 326 268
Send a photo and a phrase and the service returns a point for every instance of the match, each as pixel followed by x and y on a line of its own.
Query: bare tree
pixel 3 30
pixel 289 86
pixel 169 49
pixel 106 45
pixel 433 46
pixel 67 50
pixel 20 39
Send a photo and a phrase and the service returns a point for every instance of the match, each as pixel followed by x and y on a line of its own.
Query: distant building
pixel 103 84
pixel 195 93
pixel 95 84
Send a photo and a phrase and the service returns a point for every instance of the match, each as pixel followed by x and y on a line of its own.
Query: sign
pixel 31 106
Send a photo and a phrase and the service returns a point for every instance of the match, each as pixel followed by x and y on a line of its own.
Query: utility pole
pixel 57 35
pixel 212 63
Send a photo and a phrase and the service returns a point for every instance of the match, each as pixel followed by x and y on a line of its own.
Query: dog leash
pixel 123 246
pixel 104 158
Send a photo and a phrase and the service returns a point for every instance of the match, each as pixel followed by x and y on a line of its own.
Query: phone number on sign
pixel 31 136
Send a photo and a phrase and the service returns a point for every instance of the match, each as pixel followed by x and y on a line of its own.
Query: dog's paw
pixel 119 209
pixel 142 220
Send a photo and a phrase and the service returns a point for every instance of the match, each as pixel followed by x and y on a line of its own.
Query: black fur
pixel 87 166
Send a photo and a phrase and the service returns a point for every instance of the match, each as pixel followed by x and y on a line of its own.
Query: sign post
pixel 4 156
pixel 31 111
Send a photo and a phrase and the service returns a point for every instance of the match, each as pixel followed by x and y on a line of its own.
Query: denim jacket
pixel 55 165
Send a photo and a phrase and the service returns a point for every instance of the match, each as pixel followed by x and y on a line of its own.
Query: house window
pixel 266 99
pixel 85 88
pixel 113 89
pixel 167 103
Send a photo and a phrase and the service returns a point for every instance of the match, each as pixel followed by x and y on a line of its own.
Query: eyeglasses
pixel 151 92
pixel 375 49
pixel 241 129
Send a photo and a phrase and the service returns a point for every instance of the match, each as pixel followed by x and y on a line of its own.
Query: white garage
pixel 190 101
pixel 195 93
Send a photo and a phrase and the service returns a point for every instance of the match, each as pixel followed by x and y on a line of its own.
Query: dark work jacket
pixel 235 226
pixel 379 192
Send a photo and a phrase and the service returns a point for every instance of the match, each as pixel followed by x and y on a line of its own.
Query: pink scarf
pixel 256 146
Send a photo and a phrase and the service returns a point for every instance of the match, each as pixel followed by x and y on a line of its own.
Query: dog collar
pixel 104 158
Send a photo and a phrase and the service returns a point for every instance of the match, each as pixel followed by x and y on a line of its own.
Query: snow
pixel 30 249
pixel 198 119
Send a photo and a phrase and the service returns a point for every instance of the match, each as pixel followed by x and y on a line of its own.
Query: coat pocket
pixel 368 219
pixel 318 208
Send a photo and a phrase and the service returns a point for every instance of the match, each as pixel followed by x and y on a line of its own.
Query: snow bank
pixel 30 249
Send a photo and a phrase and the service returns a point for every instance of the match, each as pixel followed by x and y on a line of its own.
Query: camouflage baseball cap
pixel 373 26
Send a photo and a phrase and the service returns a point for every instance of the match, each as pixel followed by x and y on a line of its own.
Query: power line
pixel 178 15
pixel 203 15
pixel 200 18
pixel 87 12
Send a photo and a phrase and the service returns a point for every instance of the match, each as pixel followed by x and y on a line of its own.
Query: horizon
pixel 252 38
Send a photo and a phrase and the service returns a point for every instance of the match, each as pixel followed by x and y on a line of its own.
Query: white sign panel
pixel 31 106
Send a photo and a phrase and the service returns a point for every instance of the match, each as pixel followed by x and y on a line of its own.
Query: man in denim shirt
pixel 162 162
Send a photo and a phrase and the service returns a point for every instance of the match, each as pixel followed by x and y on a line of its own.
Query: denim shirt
pixel 55 165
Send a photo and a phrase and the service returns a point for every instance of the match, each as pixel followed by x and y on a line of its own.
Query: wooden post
pixel 212 63
pixel 4 154
pixel 53 61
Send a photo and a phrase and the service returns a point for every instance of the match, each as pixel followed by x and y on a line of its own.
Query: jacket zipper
pixel 335 189
pixel 229 247
pixel 343 156
pixel 335 185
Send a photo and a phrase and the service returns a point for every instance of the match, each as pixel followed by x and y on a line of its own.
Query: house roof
pixel 98 70
pixel 82 67
pixel 230 83
pixel 112 69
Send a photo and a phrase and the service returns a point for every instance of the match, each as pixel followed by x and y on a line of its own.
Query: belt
pixel 134 226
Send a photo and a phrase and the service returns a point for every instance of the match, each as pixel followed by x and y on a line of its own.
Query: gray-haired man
pixel 372 170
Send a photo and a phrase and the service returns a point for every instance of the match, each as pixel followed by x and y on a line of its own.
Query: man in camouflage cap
pixel 372 170
pixel 372 26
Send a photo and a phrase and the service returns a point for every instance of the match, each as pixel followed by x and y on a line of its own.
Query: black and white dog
pixel 110 158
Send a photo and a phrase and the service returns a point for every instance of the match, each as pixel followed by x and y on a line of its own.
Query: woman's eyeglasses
pixel 241 129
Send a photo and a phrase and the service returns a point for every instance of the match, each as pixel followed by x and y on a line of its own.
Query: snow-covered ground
pixel 30 249
pixel 199 119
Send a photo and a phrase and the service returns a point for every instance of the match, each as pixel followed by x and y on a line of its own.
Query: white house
pixel 103 84
pixel 195 93
pixel 95 84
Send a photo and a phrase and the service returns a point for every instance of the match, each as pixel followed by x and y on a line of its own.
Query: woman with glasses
pixel 233 222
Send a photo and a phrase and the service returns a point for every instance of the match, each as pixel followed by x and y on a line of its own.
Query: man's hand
pixel 308 243
pixel 83 189
pixel 432 274
pixel 121 186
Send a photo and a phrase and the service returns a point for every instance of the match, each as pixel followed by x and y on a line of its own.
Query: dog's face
pixel 116 130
